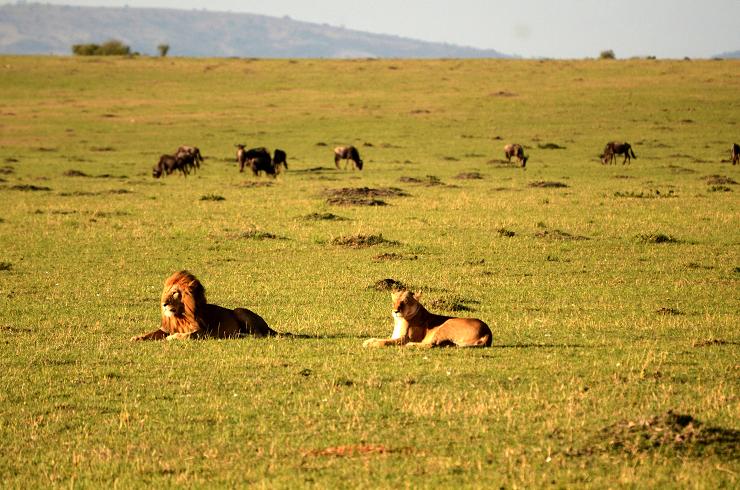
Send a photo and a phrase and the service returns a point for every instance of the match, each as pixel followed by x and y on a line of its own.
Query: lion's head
pixel 405 303
pixel 182 298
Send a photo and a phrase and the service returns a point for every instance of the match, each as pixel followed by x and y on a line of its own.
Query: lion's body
pixel 415 326
pixel 187 314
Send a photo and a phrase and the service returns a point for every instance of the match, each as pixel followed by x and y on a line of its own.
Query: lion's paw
pixel 371 343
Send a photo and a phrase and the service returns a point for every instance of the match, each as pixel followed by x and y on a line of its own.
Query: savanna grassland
pixel 612 291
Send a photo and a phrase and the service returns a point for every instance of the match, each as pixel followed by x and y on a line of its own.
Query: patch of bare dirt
pixel 469 176
pixel 719 180
pixel 323 217
pixel 452 303
pixel 559 235
pixel 550 146
pixel 547 184
pixel 712 342
pixel 361 196
pixel 670 431
pixel 248 184
pixel 656 238
pixel 388 285
pixel 361 241
pixel 29 187
pixel 429 180
pixel 668 311
pixel 350 451
pixel 393 256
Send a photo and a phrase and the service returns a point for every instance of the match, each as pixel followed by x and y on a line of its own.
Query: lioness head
pixel 405 303
pixel 182 295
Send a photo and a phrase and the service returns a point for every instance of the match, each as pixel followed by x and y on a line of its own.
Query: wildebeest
pixel 614 148
pixel 168 164
pixel 516 150
pixel 190 155
pixel 347 153
pixel 280 160
pixel 735 153
pixel 258 159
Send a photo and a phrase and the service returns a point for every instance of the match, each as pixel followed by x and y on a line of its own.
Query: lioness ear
pixel 417 295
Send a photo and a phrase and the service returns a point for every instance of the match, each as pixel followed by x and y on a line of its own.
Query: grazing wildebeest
pixel 258 159
pixel 735 153
pixel 516 150
pixel 168 164
pixel 614 148
pixel 280 160
pixel 191 155
pixel 347 153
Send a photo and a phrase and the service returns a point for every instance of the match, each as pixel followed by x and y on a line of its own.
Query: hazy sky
pixel 530 28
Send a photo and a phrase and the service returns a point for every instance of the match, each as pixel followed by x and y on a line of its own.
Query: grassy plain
pixel 599 330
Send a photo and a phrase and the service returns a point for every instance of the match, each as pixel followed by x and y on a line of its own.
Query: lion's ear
pixel 417 295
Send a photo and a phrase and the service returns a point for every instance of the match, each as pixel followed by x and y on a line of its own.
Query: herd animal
pixel 347 153
pixel 259 160
pixel 614 148
pixel 188 158
pixel 516 150
pixel 185 159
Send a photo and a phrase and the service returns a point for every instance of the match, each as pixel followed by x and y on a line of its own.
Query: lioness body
pixel 187 314
pixel 416 326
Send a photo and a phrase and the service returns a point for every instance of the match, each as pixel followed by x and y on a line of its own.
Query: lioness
pixel 415 326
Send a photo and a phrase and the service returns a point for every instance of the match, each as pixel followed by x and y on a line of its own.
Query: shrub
pixel 607 54
pixel 108 48
pixel 163 49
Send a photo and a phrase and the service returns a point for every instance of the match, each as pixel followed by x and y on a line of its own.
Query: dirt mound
pixel 547 184
pixel 361 241
pixel 361 196
pixel 559 235
pixel 350 451
pixel 388 285
pixel 656 238
pixel 453 303
pixel 355 201
pixel 257 235
pixel 251 184
pixel 365 192
pixel 323 217
pixel 29 187
pixel 720 180
pixel 393 256
pixel 550 146
pixel 469 176
pixel 75 173
pixel 669 431
pixel 429 180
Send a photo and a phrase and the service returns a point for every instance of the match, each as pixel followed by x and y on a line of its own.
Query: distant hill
pixel 51 29
pixel 729 54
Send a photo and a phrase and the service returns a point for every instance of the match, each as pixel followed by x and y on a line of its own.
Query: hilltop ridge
pixel 52 29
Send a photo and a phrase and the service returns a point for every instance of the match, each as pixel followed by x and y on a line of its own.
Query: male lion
pixel 187 314
pixel 415 326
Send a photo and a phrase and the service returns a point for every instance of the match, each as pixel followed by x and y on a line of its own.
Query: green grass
pixel 613 299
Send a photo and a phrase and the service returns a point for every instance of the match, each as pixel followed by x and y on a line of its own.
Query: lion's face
pixel 172 304
pixel 405 304
pixel 182 297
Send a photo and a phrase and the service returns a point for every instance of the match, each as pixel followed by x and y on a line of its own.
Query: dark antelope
pixel 614 148
pixel 347 153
